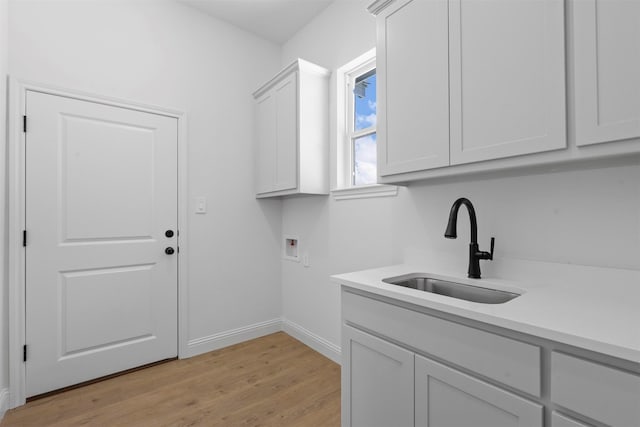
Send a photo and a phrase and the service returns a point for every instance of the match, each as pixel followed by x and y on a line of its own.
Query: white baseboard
pixel 234 336
pixel 4 402
pixel 316 342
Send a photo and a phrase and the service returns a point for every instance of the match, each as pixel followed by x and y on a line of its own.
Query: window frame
pixel 343 186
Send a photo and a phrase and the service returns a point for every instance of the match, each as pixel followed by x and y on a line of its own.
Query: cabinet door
pixel 559 420
pixel 266 141
pixel 413 86
pixel 377 381
pixel 446 397
pixel 286 150
pixel 606 36
pixel 507 78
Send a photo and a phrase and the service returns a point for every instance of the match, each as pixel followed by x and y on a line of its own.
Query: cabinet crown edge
pixel 297 65
pixel 378 6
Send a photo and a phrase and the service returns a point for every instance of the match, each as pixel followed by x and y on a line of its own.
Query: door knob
pixel 169 251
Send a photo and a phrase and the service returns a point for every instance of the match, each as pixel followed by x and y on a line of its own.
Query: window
pixel 360 124
pixel 356 120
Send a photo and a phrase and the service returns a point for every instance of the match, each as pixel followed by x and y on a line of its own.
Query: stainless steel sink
pixel 453 289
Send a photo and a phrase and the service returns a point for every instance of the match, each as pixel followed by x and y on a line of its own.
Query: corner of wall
pixel 4 401
pixel 4 305
pixel 316 342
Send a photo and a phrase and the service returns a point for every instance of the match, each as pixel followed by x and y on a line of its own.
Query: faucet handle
pixel 487 255
pixel 493 241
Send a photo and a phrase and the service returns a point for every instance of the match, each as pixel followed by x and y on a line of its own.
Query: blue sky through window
pixel 365 106
pixel 364 148
pixel 365 160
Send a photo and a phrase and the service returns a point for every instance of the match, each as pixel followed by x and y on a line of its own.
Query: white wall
pixel 4 303
pixel 588 216
pixel 579 217
pixel 166 54
pixel 339 236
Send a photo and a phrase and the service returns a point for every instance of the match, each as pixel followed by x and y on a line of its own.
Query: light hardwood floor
pixel 271 381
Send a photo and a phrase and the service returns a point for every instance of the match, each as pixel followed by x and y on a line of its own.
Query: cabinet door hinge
pixel 24 238
pixel 24 124
pixel 24 353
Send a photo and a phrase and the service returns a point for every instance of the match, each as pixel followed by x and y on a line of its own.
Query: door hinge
pixel 24 124
pixel 24 238
pixel 24 353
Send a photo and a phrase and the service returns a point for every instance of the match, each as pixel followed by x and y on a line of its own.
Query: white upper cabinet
pixel 606 54
pixel 413 70
pixel 286 95
pixel 292 135
pixel 463 81
pixel 506 78
pixel 266 142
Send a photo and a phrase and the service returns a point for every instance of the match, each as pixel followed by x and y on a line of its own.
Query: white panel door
pixel 448 398
pixel 413 71
pixel 377 382
pixel 286 170
pixel 507 78
pixel 101 191
pixel 606 36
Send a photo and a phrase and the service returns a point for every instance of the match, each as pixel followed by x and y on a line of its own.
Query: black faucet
pixel 475 254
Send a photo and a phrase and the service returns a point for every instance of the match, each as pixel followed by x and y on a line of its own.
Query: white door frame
pixel 16 219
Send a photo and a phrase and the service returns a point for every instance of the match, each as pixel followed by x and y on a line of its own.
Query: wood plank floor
pixel 270 381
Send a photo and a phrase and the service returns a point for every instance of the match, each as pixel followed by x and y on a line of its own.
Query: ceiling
pixel 274 20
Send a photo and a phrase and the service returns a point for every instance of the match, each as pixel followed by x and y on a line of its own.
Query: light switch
pixel 201 205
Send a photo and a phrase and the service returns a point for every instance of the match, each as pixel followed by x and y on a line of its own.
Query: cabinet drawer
pixel 597 391
pixel 510 362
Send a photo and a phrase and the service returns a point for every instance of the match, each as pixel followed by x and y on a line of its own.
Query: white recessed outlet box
pixel 291 248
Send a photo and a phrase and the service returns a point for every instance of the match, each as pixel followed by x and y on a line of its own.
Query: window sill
pixel 365 192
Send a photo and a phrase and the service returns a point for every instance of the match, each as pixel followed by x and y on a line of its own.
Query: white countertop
pixel 593 308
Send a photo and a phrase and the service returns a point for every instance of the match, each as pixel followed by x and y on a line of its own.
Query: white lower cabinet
pixel 603 393
pixel 559 420
pixel 387 385
pixel 404 365
pixel 447 397
pixel 377 381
